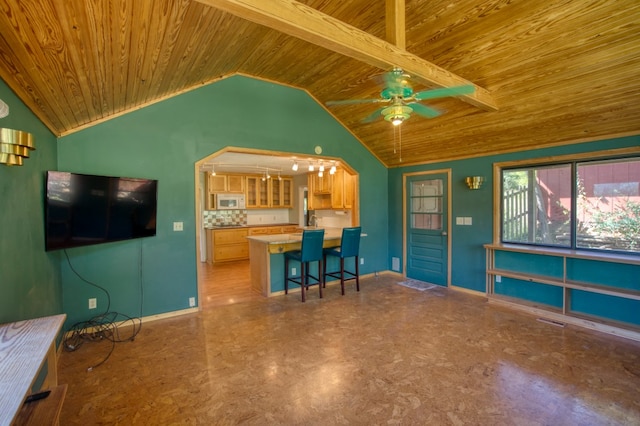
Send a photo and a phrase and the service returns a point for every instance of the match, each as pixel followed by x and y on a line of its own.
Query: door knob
pixel 444 233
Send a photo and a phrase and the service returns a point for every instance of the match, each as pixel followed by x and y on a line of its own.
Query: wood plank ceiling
pixel 558 71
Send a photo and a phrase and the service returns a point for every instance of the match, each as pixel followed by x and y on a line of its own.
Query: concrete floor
pixel 385 355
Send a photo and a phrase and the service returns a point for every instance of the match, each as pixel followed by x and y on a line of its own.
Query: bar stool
pixel 349 247
pixel 311 251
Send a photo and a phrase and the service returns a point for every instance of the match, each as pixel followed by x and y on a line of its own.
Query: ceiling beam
pixel 308 24
pixel 395 23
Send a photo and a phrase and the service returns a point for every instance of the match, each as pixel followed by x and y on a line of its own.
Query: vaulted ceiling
pixel 546 72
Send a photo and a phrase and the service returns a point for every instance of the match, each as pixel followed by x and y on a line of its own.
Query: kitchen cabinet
pixel 321 185
pixel 231 244
pixel 221 183
pixel 227 244
pixel 269 193
pixel 281 193
pixel 257 192
pixel 335 191
pixel 343 190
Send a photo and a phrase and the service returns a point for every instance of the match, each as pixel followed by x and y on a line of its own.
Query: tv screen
pixel 83 209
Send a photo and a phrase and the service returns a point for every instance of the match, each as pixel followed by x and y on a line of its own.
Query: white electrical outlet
pixel 362 260
pixel 498 278
pixel 93 303
pixel 293 271
pixel 192 302
pixel 178 226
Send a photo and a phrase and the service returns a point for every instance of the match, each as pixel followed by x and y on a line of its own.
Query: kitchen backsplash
pixel 224 217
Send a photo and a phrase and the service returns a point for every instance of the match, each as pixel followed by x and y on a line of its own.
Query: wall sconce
pixel 474 182
pixel 15 146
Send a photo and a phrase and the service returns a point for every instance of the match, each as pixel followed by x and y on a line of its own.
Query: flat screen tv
pixel 84 209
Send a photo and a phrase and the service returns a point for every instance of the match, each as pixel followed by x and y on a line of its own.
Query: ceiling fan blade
pixel 355 101
pixel 444 92
pixel 424 110
pixel 373 117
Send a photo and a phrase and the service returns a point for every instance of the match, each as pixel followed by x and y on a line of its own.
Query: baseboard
pixel 560 318
pixel 387 272
pixel 150 318
pixel 468 291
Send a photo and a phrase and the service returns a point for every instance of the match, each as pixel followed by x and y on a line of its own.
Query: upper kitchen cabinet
pixel 282 192
pixel 320 185
pixel 343 190
pixel 272 193
pixel 221 183
pixel 335 191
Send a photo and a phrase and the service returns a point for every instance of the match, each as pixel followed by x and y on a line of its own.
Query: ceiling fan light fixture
pixel 397 113
pixel 397 120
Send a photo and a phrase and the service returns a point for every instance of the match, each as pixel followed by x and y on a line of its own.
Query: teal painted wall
pixel 30 284
pixel 467 252
pixel 163 141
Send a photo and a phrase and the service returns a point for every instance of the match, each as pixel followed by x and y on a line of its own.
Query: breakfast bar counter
pixel 266 256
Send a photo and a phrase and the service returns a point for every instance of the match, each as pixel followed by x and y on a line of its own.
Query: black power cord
pixel 104 326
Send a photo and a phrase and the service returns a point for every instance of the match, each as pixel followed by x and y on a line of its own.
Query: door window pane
pixel 426 204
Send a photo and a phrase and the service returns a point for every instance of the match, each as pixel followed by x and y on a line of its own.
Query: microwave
pixel 230 202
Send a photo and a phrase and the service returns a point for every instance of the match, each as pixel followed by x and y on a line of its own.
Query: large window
pixel 578 205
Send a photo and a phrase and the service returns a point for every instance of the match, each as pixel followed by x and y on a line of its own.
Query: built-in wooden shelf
pixel 560 277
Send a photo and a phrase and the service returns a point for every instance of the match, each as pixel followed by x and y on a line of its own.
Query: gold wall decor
pixel 14 146
pixel 474 182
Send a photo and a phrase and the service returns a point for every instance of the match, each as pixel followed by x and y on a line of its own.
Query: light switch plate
pixel 468 221
pixel 459 220
pixel 178 226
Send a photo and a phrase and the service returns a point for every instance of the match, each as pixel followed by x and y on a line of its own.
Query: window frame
pixel 572 161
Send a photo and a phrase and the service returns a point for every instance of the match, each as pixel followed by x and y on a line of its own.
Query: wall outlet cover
pixel 395 264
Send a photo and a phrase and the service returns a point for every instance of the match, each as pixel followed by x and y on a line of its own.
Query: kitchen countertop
pixel 329 233
pixel 261 225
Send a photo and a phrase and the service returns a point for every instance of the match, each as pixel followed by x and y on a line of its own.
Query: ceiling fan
pixel 403 101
